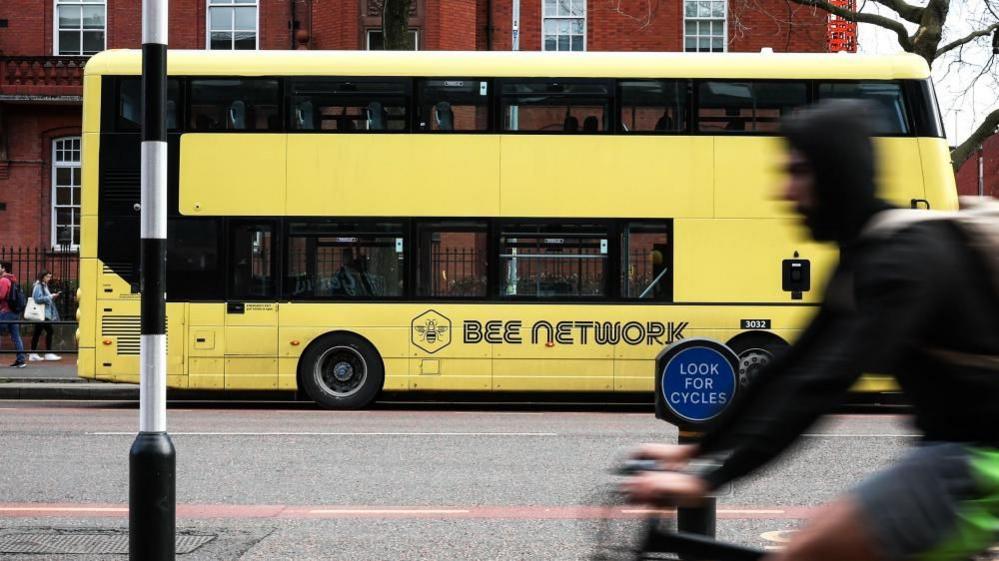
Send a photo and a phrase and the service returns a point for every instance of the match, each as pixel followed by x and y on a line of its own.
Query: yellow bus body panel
pixel 86 314
pixel 117 351
pixel 899 179
pixel 742 258
pixel 90 145
pixel 223 174
pixel 532 348
pixel 747 177
pixel 606 176
pixel 392 175
pixel 258 373
pixel 938 174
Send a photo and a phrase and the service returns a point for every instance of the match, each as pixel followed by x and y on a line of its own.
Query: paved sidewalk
pixel 56 379
pixel 42 371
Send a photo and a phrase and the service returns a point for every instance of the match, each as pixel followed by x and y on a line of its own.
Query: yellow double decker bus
pixel 342 223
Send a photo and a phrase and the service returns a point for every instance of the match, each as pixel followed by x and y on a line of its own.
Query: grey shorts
pixel 940 502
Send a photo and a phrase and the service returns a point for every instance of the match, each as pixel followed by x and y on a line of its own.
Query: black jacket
pixel 897 306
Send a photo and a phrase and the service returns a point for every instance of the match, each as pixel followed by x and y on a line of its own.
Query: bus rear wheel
pixel 341 371
pixel 755 350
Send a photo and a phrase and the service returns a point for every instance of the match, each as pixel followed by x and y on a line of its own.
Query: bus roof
pixel 473 64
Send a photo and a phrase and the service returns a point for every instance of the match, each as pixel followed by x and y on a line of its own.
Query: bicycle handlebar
pixel 690 547
pixel 635 466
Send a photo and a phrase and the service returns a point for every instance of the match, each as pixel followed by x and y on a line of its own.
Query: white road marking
pixel 388 511
pixel 61 509
pixel 859 435
pixel 337 433
pixel 779 536
pixel 719 511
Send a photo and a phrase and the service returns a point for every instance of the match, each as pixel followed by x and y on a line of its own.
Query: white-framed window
pixel 705 26
pixel 564 25
pixel 66 192
pixel 80 27
pixel 233 24
pixel 374 40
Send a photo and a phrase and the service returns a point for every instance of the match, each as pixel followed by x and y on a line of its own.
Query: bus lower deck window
pixel 552 262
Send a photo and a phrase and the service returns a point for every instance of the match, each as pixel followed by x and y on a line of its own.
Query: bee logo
pixel 431 331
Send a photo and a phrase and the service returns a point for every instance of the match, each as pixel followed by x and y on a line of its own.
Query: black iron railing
pixel 26 263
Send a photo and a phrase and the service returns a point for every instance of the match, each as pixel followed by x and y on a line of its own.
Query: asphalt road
pixel 288 481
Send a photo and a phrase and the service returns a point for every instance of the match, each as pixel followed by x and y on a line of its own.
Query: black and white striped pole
pixel 152 497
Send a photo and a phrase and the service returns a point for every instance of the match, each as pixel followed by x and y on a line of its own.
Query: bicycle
pixel 618 538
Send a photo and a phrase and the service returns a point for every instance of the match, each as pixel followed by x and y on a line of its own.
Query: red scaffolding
pixel 841 34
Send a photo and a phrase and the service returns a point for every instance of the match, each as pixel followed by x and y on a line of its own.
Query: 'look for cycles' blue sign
pixel 697 380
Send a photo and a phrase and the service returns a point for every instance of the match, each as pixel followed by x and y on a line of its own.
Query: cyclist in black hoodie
pixel 917 304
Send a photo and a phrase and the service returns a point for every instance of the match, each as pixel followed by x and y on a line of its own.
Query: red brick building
pixel 968 175
pixel 44 44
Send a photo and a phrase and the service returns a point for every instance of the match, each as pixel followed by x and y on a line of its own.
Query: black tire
pixel 755 351
pixel 341 371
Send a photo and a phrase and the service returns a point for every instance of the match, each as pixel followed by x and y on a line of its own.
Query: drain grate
pixel 106 544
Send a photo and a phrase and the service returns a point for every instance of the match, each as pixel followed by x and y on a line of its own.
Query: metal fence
pixel 457 271
pixel 64 264
pixel 461 272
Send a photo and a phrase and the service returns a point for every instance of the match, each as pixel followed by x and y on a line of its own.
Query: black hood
pixel 835 137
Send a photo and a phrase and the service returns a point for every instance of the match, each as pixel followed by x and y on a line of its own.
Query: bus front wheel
pixel 341 371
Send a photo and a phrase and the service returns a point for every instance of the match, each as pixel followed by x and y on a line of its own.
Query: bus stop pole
pixel 152 458
pixel 700 519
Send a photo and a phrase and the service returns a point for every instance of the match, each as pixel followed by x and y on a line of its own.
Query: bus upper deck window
pixel 348 105
pixel 240 104
pixel 653 105
pixel 572 106
pixel 886 98
pixel 735 107
pixel 129 116
pixel 452 104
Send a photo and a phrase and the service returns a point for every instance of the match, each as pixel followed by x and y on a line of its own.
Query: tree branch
pixel 881 21
pixel 963 151
pixel 967 39
pixel 988 7
pixel 907 11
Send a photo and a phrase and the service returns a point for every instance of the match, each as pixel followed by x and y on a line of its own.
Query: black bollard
pixel 152 497
pixel 700 519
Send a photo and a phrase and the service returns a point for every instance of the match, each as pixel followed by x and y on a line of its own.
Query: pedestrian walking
pixel 44 297
pixel 9 317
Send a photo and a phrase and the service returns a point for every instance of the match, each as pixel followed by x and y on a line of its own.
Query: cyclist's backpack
pixel 16 299
pixel 978 219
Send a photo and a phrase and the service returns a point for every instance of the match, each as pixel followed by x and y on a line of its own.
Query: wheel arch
pixel 756 339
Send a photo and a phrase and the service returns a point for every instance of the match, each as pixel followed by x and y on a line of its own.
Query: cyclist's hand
pixel 665 488
pixel 669 456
